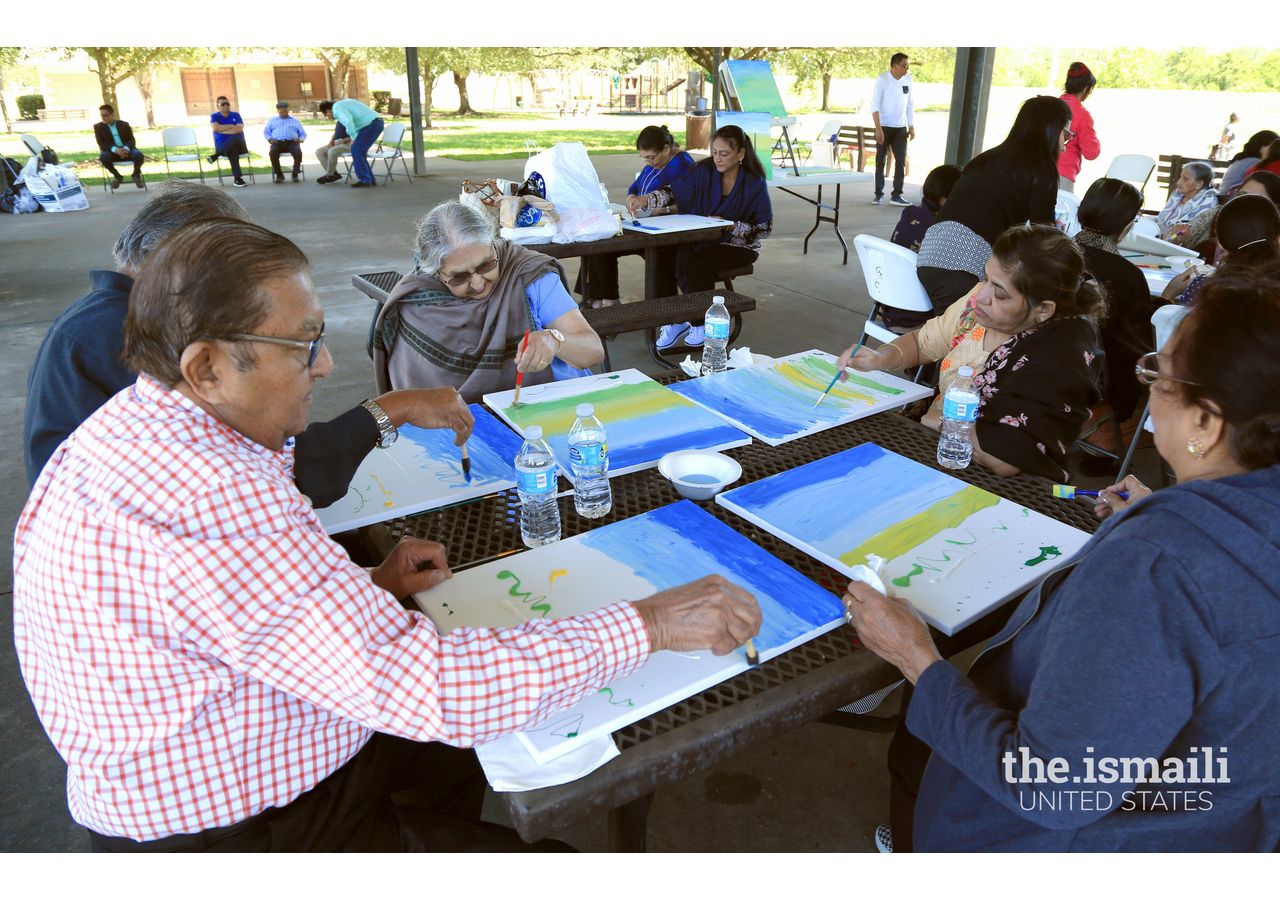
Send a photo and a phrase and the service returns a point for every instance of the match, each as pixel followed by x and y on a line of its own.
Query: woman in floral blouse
pixel 1025 330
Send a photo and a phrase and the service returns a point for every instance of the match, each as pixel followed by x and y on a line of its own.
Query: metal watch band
pixel 387 432
pixel 558 335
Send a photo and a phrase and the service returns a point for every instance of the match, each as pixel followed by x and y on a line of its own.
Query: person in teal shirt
pixel 363 126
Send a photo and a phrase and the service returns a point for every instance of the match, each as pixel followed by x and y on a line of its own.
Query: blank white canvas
pixel 672 224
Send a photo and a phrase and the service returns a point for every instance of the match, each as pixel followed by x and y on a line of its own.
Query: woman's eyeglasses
pixel 1069 133
pixel 463 277
pixel 1148 371
pixel 312 346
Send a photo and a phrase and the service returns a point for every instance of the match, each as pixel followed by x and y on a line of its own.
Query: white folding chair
pixel 1132 167
pixel 177 138
pixel 1164 320
pixel 388 150
pixel 890 273
pixel 823 146
pixel 32 144
pixel 246 167
pixel 1066 213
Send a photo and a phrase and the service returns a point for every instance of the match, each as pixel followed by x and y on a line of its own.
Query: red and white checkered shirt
pixel 199 650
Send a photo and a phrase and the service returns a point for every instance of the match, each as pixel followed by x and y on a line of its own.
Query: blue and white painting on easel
pixel 422 470
pixel 630 560
pixel 954 550
pixel 774 402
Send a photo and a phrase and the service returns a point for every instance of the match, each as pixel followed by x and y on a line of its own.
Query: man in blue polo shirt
pixel 364 126
pixel 228 138
pixel 285 134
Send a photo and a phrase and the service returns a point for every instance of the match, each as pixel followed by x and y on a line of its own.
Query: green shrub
pixel 381 100
pixel 29 105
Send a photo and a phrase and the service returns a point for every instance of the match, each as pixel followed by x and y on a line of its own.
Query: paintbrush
pixel 524 345
pixel 753 658
pixel 1070 492
pixel 466 464
pixel 840 371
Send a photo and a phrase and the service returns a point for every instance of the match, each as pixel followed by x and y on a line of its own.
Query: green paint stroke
pixel 624 401
pixel 919 567
pixel 1046 553
pixel 613 701
pixel 542 608
pixel 897 539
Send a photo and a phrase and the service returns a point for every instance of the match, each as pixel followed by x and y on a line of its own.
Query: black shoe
pixel 137 179
pixel 363 184
pixel 116 181
pixel 279 179
pixel 328 179
pixel 295 177
pixel 240 182
pixel 212 159
pixel 898 200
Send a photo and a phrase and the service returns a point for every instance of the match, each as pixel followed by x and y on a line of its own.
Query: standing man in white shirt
pixel 893 111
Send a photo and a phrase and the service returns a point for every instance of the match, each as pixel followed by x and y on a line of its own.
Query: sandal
pixel 604 304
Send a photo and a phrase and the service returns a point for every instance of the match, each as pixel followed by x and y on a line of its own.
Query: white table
pixel 788 180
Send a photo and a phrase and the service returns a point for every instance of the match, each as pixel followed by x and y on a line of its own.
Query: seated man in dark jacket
pixel 115 140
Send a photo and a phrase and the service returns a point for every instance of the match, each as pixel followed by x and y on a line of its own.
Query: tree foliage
pixel 9 59
pixel 1188 68
pixel 115 65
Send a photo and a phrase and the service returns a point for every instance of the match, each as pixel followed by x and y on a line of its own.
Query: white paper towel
pixel 739 358
pixel 869 575
pixel 509 767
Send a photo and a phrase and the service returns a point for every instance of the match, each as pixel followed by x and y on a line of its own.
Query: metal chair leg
pixel 1133 444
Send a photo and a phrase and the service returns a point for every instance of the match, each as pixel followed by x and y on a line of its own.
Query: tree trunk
pixel 341 74
pixel 143 77
pixel 105 82
pixel 826 92
pixel 464 103
pixel 4 108
pixel 428 82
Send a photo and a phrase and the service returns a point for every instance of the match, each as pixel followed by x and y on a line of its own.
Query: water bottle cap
pixel 965 371
pixel 533 433
pixel 717 299
pixel 585 409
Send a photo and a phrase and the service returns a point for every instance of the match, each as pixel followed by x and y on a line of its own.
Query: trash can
pixel 394 105
pixel 697 132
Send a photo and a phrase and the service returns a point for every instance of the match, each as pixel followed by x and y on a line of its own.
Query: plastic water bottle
pixel 589 458
pixel 959 412
pixel 536 484
pixel 716 338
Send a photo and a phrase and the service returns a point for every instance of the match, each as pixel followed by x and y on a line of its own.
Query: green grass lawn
pixel 483 137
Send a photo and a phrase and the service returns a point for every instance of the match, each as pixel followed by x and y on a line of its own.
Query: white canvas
pixel 775 402
pixel 630 560
pixel 642 419
pixel 422 470
pixel 671 224
pixel 954 551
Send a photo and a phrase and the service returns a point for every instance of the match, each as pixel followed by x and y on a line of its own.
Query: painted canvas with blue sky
pixel 642 419
pixel 630 560
pixel 955 551
pixel 774 402
pixel 422 470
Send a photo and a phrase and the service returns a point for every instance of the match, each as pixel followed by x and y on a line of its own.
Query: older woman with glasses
pixel 476 311
pixel 1148 666
pixel 1192 195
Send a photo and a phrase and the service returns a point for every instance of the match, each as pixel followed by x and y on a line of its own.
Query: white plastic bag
pixel 574 188
pixel 56 188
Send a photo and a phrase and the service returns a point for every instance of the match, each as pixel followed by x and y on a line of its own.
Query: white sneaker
pixel 669 334
pixel 695 337
pixel 884 839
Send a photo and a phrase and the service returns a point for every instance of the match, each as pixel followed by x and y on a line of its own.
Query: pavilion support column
pixel 415 110
pixel 970 89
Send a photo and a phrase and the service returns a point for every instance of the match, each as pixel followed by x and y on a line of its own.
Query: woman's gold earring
pixel 1195 448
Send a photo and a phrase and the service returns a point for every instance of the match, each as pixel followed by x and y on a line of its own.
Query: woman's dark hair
pixel 1271 154
pixel 939 182
pixel 1044 264
pixel 1248 226
pixel 1270 182
pixel 1030 152
pixel 1109 206
pixel 182 293
pixel 1258 141
pixel 1229 346
pixel 655 138
pixel 736 138
pixel 1080 80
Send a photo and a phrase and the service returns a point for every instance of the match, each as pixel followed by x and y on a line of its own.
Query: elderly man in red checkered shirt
pixel 216 672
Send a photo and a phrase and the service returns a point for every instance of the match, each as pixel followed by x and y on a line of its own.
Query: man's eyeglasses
pixel 463 277
pixel 1148 371
pixel 312 346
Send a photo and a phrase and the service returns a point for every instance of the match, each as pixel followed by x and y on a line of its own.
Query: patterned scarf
pixel 1089 238
pixel 426 337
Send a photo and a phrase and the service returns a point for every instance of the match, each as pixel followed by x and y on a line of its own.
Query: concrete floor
pixel 818 788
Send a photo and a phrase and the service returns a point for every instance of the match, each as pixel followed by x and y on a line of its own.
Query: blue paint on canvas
pixel 680 543
pixel 493 448
pixel 838 502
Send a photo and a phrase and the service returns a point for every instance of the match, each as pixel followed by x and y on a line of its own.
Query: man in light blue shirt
pixel 363 125
pixel 285 134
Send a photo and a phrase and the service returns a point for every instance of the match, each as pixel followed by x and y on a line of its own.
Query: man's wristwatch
pixel 387 432
pixel 558 335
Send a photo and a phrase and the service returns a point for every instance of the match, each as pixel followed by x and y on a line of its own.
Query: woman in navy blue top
pixel 730 185
pixel 664 162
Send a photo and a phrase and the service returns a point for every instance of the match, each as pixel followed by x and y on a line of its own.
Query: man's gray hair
pixel 1201 171
pixel 446 228
pixel 175 204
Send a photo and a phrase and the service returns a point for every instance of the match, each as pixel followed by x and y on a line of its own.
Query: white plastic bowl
pixel 699 474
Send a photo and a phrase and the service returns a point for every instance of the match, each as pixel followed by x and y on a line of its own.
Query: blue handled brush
pixel 1070 492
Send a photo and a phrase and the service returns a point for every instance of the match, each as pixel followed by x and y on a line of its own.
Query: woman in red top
pixel 1270 161
pixel 1084 140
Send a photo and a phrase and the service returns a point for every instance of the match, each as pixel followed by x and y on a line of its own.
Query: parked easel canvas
pixel 630 560
pixel 955 551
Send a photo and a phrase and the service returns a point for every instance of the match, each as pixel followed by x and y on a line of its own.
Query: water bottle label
pixel 717 331
pixel 589 455
pixel 959 410
pixel 541 482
